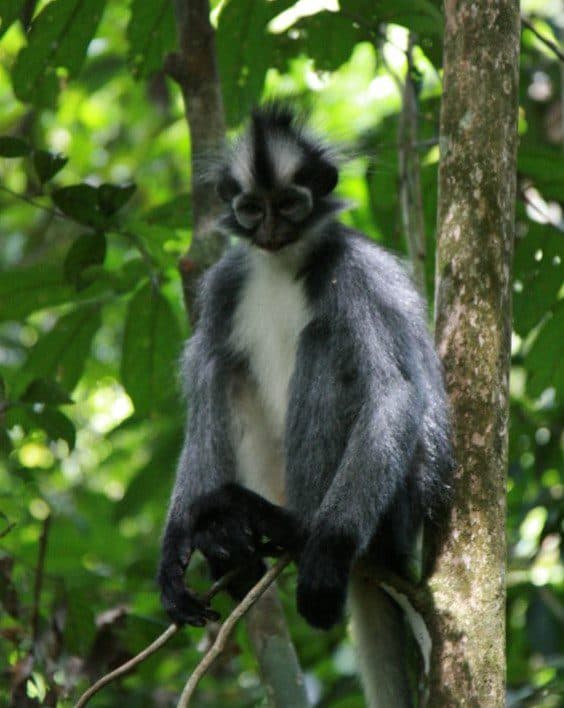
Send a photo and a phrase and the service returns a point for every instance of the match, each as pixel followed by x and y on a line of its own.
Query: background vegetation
pixel 94 214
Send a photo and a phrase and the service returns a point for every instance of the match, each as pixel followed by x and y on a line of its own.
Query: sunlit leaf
pixel 24 290
pixel 10 11
pixel 59 37
pixel 151 345
pixel 151 33
pixel 539 270
pixel 545 361
pixel 61 353
pixel 245 50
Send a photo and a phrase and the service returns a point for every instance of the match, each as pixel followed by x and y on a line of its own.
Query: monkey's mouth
pixel 277 245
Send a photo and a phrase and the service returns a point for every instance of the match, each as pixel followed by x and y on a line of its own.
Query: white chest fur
pixel 269 318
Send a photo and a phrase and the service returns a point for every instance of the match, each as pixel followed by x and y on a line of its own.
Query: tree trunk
pixel 473 328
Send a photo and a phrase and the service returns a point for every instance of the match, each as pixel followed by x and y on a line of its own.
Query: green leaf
pixel 24 290
pixel 154 238
pixel 245 50
pixel 545 360
pixel 151 346
pixel 59 37
pixel 421 16
pixel 329 39
pixel 80 625
pixel 46 391
pixel 61 353
pixel 13 147
pixel 151 33
pixel 544 166
pixel 174 214
pixel 47 164
pixel 538 268
pixel 111 197
pixel 55 424
pixel 10 11
pixel 87 250
pixel 135 498
pixel 80 202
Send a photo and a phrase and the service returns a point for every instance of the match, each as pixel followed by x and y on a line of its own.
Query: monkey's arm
pixel 373 467
pixel 206 463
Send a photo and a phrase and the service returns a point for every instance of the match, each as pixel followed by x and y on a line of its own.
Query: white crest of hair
pixel 286 157
pixel 271 313
pixel 242 161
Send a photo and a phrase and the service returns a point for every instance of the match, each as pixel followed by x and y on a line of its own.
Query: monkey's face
pixel 273 219
pixel 277 181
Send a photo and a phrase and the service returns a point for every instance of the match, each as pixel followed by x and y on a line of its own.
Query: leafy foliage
pixel 92 320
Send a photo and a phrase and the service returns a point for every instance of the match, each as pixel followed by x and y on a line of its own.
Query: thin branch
pixel 39 578
pixel 5 531
pixel 545 40
pixel 34 203
pixel 227 627
pixel 410 176
pixel 159 642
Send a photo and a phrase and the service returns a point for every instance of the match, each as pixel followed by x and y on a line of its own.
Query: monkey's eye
pixel 248 211
pixel 295 203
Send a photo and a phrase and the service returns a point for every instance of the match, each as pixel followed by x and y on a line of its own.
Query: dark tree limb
pixel 410 178
pixel 194 68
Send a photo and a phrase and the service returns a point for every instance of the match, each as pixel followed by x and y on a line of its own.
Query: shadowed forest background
pixel 95 214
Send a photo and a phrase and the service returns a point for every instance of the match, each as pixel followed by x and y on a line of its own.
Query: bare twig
pixel 159 642
pixel 39 578
pixel 5 531
pixel 545 40
pixel 219 644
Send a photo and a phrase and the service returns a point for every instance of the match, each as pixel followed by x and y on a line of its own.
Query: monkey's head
pixel 277 180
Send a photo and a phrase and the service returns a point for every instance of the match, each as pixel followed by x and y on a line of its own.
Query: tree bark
pixel 473 328
pixel 194 68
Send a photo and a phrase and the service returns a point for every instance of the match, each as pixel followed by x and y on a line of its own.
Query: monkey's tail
pixel 379 636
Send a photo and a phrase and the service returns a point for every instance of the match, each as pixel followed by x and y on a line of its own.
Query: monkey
pixel 318 421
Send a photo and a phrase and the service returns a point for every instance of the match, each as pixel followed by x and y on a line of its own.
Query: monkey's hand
pixel 323 574
pixel 235 528
pixel 181 605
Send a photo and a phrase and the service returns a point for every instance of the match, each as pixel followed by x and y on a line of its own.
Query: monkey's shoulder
pixel 351 276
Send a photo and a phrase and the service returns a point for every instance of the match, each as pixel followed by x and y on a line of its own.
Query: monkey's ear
pixel 328 178
pixel 227 187
pixel 321 177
